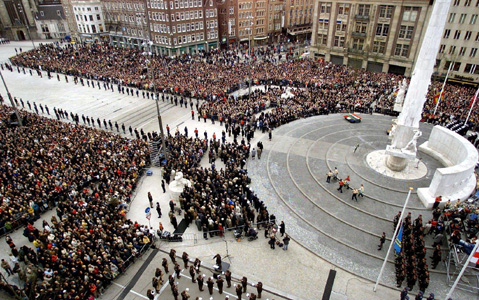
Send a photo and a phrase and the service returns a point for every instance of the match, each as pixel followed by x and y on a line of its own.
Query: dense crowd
pixel 214 75
pixel 89 175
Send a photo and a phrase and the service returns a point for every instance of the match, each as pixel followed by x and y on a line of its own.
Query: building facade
pixel 126 22
pixel 51 20
pixel 227 22
pixel 298 19
pixel 373 35
pixel 460 42
pixel 17 19
pixel 89 19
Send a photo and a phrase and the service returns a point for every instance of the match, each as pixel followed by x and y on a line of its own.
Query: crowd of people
pixel 214 75
pixel 197 277
pixel 89 175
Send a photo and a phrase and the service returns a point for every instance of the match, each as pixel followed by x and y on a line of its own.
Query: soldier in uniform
pixel 252 296
pixel 171 280
pixel 175 292
pixel 185 258
pixel 244 283
pixel 228 278
pixel 192 274
pixel 239 291
pixel 436 256
pixel 381 241
pixel 185 295
pixel 404 293
pixel 173 255
pixel 220 283
pixel 165 265
pixel 200 280
pixel 259 289
pixel 177 270
pixel 396 220
pixel 210 283
pixel 197 265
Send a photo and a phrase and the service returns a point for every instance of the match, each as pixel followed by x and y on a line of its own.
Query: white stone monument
pixel 402 87
pixel 406 132
pixel 177 186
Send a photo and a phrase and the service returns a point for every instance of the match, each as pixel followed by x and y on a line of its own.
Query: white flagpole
pixel 472 106
pixel 443 85
pixel 393 239
pixel 462 272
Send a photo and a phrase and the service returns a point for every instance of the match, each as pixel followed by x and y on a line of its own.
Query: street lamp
pixel 150 72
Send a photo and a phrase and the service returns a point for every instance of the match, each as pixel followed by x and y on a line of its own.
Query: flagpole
pixel 392 239
pixel 443 85
pixel 462 272
pixel 472 106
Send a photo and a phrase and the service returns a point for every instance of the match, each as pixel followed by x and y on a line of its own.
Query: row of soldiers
pixel 196 277
pixel 410 263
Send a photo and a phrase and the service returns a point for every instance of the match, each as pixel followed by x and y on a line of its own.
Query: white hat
pixel 211 298
pixel 223 273
pixel 247 295
pixel 187 289
pixel 204 275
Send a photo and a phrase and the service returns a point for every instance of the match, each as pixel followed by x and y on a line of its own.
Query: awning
pixel 244 39
pixel 260 38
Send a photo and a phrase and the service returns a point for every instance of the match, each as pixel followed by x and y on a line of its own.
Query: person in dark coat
pixel 200 279
pixel 282 228
pixel 220 283
pixel 210 284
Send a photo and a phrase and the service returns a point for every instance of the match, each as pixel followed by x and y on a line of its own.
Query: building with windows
pixel 299 19
pixel 368 34
pixel 51 20
pixel 175 27
pixel 17 20
pixel 460 42
pixel 88 16
pixel 227 22
pixel 126 22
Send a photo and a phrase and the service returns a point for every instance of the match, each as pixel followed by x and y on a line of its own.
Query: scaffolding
pixel 455 261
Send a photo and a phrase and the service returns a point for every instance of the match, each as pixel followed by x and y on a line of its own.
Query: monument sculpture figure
pixel 408 120
pixel 177 186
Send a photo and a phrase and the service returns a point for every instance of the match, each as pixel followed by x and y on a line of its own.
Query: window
pixel 343 9
pixel 471 69
pixel 473 52
pixel 382 29
pixel 477 36
pixel 447 32
pixel 386 11
pixel 473 19
pixel 379 47
pixel 462 18
pixel 442 48
pixel 467 3
pixel 323 24
pixel 98 17
pixel 452 16
pixel 457 34
pixel 410 14
pixel 405 32
pixel 339 41
pixel 363 9
pixel 341 27
pixel 322 39
pixel 402 50
pixel 452 49
pixel 467 36
pixel 457 2
pixel 325 8
pixel 358 44
pixel 361 27
pixel 462 51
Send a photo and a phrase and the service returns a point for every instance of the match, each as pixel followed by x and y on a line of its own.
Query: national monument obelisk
pixel 405 134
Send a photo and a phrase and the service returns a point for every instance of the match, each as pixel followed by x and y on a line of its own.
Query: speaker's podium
pixel 217 270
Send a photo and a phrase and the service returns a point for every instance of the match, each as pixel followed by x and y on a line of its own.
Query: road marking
pixel 131 291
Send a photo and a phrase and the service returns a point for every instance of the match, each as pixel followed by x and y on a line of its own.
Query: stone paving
pixel 329 231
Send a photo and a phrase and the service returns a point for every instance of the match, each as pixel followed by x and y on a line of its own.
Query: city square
pixel 270 167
